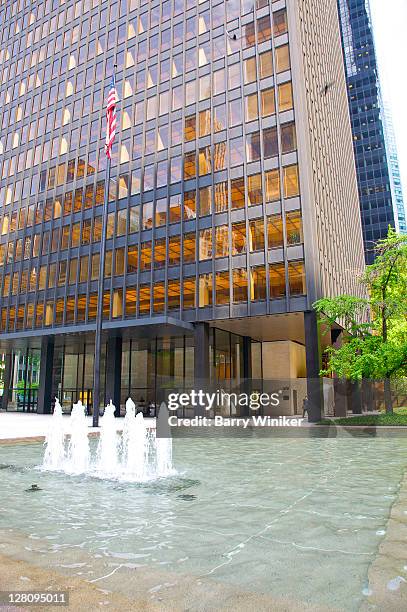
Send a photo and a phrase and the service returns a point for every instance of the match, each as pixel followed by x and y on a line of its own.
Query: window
pixel 250 73
pixel 205 244
pixel 285 97
pixel 237 192
pixel 205 163
pixel 293 224
pixel 160 212
pixel 204 123
pixel 205 290
pixel 270 142
pixel 189 166
pixel 132 259
pixel 145 256
pixel 222 241
pixel 131 301
pixel 256 235
pixel 190 128
pixel 280 25
pixel 189 205
pixel 189 292
pixel 277 280
pixel 254 190
pixel 268 105
pixel 160 253
pixel 189 248
pixel 291 181
pixel 147 215
pixel 221 197
pixel 272 185
pixel 263 29
pixel 235 112
pixel 205 201
pixel 222 288
pixel 144 299
pixel 282 58
pixel 296 278
pixel 175 209
pixel 174 294
pixel 253 146
pixel 288 138
pixel 251 108
pixel 239 242
pixel 174 250
pixel 240 285
pixel 158 297
pixel 266 64
pixel 275 231
pixel 258 287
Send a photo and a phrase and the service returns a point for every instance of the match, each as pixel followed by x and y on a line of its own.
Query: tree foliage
pixel 374 343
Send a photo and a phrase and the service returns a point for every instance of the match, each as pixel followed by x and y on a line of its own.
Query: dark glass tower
pixel 364 96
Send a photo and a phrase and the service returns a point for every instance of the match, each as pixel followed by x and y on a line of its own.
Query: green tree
pixel 375 328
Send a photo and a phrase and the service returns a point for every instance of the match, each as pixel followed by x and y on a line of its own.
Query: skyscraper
pixel 395 177
pixel 233 200
pixel 366 110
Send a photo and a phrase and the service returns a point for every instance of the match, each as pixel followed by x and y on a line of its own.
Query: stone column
pixel 46 371
pixel 114 372
pixel 313 364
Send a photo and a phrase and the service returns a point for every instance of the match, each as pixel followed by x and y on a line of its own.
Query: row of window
pixel 204 201
pixel 218 289
pixel 221 243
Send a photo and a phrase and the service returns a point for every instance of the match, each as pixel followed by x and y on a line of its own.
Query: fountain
pixel 107 453
pixel 138 455
pixel 78 455
pixel 55 441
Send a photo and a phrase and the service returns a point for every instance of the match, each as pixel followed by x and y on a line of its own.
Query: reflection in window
pixel 282 58
pixel 270 142
pixel 285 97
pixel 205 201
pixel 189 205
pixel 239 241
pixel 205 244
pixel 222 241
pixel 288 138
pixel 253 146
pixel 272 185
pixel 256 235
pixel 237 192
pixel 254 190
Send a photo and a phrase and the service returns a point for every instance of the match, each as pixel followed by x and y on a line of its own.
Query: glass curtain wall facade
pixel 205 154
pixel 374 178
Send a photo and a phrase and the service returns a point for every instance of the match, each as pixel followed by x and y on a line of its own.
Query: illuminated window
pixel 132 259
pixel 174 250
pixel 237 193
pixel 256 235
pixel 277 280
pixel 189 292
pixel 285 97
pixel 205 244
pixel 222 288
pixel 205 290
pixel 251 107
pixel 189 248
pixel 272 185
pixel 205 201
pixel 291 181
pixel 268 103
pixel 189 205
pixel 144 299
pixel 204 123
pixel 222 241
pixel 190 128
pixel 258 283
pixel 266 64
pixel 275 231
pixel 205 164
pixel 145 256
pixel 254 190
pixel 294 228
pixel 160 253
pixel 221 197
pixel 174 295
pixel 240 285
pixel 239 240
pixel 296 278
pixel 189 166
pixel 131 301
pixel 159 297
pixel 282 58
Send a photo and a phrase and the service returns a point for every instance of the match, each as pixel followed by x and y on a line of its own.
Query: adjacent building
pixel 395 176
pixel 233 201
pixel 378 200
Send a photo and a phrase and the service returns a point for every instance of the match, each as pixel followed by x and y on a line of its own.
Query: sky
pixel 389 19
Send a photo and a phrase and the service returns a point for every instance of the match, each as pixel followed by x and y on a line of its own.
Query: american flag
pixel 111 119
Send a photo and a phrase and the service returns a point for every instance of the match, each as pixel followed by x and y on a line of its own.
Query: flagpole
pixel 99 312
